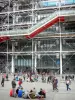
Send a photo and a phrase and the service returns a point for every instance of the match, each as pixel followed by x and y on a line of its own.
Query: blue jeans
pixel 68 88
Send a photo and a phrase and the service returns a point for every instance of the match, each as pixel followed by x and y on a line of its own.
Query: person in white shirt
pixel 67 84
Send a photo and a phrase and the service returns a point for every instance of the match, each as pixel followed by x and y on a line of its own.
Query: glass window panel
pixel 19 62
pixel 22 62
pixel 29 62
pixel 26 62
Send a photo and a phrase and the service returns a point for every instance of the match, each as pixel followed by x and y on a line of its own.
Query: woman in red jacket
pixel 20 82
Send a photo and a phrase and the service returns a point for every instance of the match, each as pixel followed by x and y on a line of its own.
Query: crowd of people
pixel 18 91
pixel 21 93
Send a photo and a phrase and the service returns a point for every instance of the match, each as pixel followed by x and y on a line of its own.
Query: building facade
pixel 37 35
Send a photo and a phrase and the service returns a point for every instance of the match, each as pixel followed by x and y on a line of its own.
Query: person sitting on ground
pixel 21 92
pixel 17 90
pixel 34 90
pixel 25 94
pixel 31 95
pixel 42 93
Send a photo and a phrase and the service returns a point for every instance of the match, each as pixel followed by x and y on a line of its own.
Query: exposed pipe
pixel 44 24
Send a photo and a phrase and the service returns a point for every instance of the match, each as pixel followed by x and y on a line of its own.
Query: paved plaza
pixel 62 94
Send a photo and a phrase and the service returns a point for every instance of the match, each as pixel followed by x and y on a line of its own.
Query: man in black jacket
pixel 13 86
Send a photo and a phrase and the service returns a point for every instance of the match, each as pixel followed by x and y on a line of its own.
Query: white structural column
pixel 32 19
pixel 32 55
pixel 60 40
pixel 60 56
pixel 12 66
pixel 35 57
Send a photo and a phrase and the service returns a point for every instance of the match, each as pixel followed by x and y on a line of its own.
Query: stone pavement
pixel 62 94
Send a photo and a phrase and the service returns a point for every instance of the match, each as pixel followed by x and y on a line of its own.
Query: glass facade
pixel 50 26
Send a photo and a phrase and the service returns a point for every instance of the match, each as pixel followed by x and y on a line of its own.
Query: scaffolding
pixel 51 50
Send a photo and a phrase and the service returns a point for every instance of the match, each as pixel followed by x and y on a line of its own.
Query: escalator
pixel 4 38
pixel 40 26
pixel 36 30
pixel 49 21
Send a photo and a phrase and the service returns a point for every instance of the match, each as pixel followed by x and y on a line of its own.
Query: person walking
pixel 2 82
pixel 67 84
pixel 55 84
pixel 6 77
pixel 24 77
